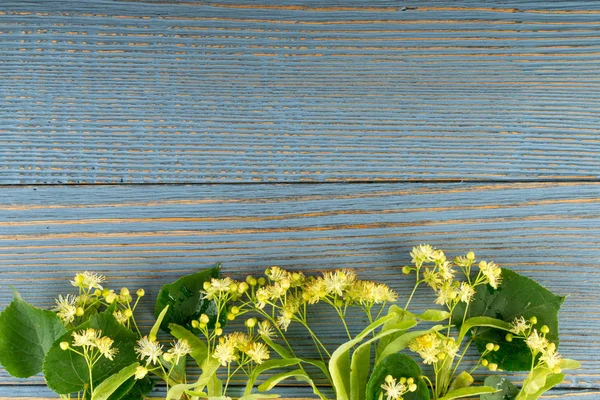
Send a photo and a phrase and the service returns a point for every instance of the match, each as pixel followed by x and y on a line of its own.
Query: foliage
pixel 91 347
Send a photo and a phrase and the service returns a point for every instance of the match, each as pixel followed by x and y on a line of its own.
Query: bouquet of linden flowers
pixel 91 347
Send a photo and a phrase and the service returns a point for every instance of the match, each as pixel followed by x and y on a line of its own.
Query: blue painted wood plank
pixel 245 91
pixel 145 236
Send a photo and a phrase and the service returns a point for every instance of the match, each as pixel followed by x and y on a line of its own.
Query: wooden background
pixel 147 139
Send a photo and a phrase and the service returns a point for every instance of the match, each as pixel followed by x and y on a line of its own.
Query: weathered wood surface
pixel 241 91
pixel 245 91
pixel 149 235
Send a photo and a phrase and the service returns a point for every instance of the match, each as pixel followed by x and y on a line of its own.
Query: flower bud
pixel 251 322
pixel 509 337
pixel 410 381
pixel 482 264
pixel 489 346
pixel 262 281
pixel 389 379
pixel 79 311
pixel 64 345
pixel 230 316
pixel 470 256
pixel 128 313
pixel 124 291
pixel 412 387
pixel 105 292
pixel 204 319
pixel 251 280
pixel 267 271
pixel 406 270
pixel 484 362
pixel 403 380
pixel 441 356
pixel 206 285
pixel 217 324
pixel 218 331
pixel 296 277
pixel 98 292
pixel 544 329
pixel 233 287
pixel 110 298
pixel 243 287
pixel 551 346
pixel 285 283
pixel 235 310
pixel 140 292
pixel 288 314
pixel 493 367
pixel 496 347
pixel 195 324
pixel 533 320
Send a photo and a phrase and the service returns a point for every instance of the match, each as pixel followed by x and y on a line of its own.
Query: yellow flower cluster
pixel 537 342
pixel 434 347
pixel 433 268
pixel 240 347
pixel 92 295
pixel 92 343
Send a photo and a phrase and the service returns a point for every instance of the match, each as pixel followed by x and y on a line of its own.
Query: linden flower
pixel 66 308
pixel 265 328
pixel 216 287
pixel 338 281
pixel 422 253
pixel 536 342
pixel 433 279
pixel 445 270
pixel 466 292
pixel 148 349
pixel 225 353
pixel 463 261
pixel 88 280
pixel 180 348
pixel 551 358
pixel 86 337
pixel 104 345
pixel 283 322
pixel 258 352
pixel 120 317
pixel 393 389
pixel 276 274
pixel 446 294
pixel 314 290
pixel 427 346
pixel 519 326
pixel 492 272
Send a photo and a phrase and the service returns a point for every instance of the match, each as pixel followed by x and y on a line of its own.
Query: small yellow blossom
pixel 150 350
pixel 88 280
pixel 466 292
pixel 258 352
pixel 265 328
pixel 422 253
pixel 492 272
pixel 104 345
pixel 66 308
pixel 338 281
pixel 536 342
pixel 519 326
pixel 393 389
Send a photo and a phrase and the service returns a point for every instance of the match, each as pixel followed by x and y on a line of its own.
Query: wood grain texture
pixel 149 235
pixel 270 91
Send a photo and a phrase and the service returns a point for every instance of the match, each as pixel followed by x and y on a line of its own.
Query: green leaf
pixel 26 334
pixel 259 396
pixel 209 370
pixel 113 382
pixel 159 319
pixel 402 341
pixel 66 372
pixel 516 296
pixel 536 380
pixel 359 371
pixel 567 363
pixel 275 379
pixel 339 363
pixel 121 391
pixel 549 383
pixel 467 392
pixel 398 365
pixel 199 349
pixel 186 302
pixel 141 387
pixel 506 390
pixel 480 322
pixel 267 365
pixel 279 349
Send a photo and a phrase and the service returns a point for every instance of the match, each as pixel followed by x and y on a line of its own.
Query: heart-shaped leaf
pixel 66 372
pixel 516 296
pixel 185 301
pixel 398 366
pixel 506 390
pixel 26 335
